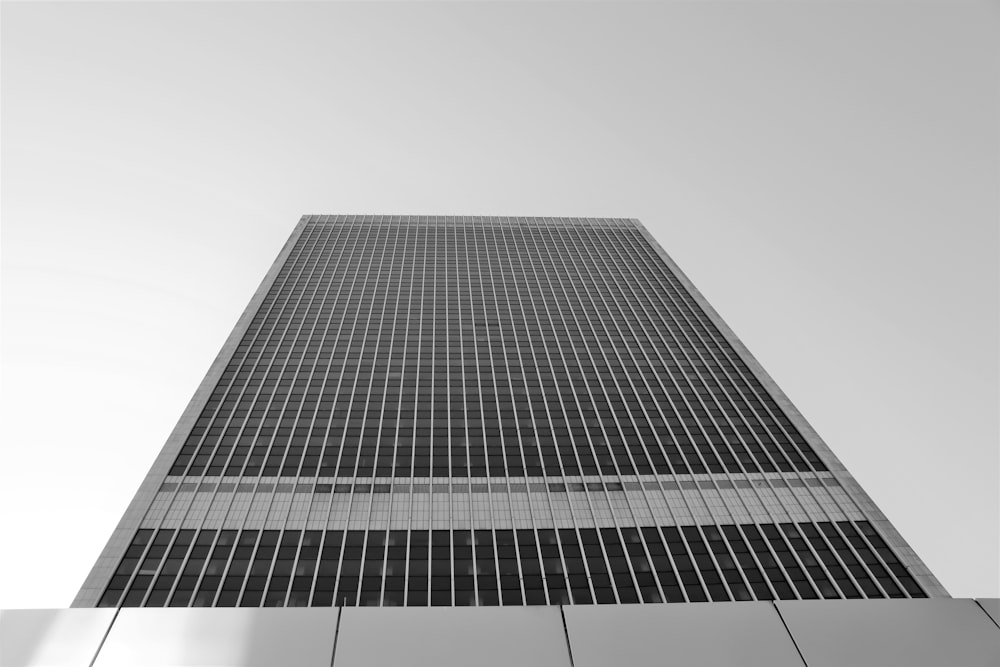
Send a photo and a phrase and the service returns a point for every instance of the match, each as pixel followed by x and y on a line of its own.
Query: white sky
pixel 826 173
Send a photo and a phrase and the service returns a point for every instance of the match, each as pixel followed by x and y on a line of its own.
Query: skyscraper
pixel 491 411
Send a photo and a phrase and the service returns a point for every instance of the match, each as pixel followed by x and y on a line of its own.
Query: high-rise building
pixel 420 410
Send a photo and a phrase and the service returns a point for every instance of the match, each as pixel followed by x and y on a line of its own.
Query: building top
pixel 467 219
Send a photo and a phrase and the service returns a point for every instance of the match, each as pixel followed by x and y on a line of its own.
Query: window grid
pixel 629 321
pixel 580 356
pixel 717 474
pixel 284 367
pixel 604 388
pixel 691 314
pixel 592 588
pixel 505 285
pixel 718 563
pixel 738 368
pixel 205 595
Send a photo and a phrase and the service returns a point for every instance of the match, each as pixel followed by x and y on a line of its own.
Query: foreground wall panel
pixel 992 607
pixel 451 637
pixel 221 638
pixel 876 633
pixel 707 634
pixel 53 637
pixel 820 633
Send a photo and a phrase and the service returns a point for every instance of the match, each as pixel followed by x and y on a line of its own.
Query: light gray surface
pixel 221 638
pixel 451 637
pixel 706 635
pixel 858 633
pixel 876 633
pixel 52 637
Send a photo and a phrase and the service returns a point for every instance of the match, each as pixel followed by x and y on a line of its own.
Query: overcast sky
pixel 826 173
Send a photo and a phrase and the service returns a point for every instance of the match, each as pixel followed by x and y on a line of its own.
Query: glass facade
pixel 484 567
pixel 424 410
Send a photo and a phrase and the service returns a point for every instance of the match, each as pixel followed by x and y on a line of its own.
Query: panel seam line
pixel 105 637
pixel 336 635
pixel 790 635
pixel 569 647
pixel 988 615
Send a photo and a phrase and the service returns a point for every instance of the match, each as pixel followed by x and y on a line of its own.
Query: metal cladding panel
pixel 52 637
pixel 702 635
pixel 451 637
pixel 822 633
pixel 992 607
pixel 875 633
pixel 221 638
